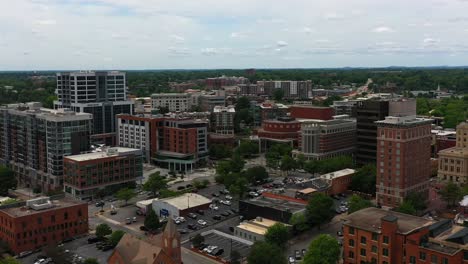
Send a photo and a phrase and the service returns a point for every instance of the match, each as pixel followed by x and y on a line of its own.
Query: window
pixel 422 255
pixel 412 260
pixel 385 252
pixel 39 220
pixel 445 261
pixel 465 255
pixel 434 259
pixel 363 252
pixel 65 215
pixel 385 239
pixel 351 254
pixel 351 230
pixel 363 240
pixel 374 249
pixel 351 243
pixel 375 237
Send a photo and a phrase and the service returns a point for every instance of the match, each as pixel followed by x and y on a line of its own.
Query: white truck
pixel 144 206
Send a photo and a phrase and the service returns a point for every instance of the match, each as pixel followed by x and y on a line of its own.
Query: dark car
pixel 180 188
pixel 100 204
pixel 202 246
pixel 200 212
pixel 216 217
pixel 217 252
pixel 297 254
pixel 192 226
pixel 183 231
pixel 303 251
pixel 215 194
pixel 93 239
pixel 192 215
pixel 68 240
pixel 188 186
pixel 225 213
pixel 143 228
pixel 107 247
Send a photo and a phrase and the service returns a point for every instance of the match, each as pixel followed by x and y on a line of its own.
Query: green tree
pixel 125 194
pixel 299 222
pixel 319 209
pixel 277 234
pixel 220 151
pixel 265 253
pixel 287 164
pixel 418 200
pixel 239 187
pixel 247 148
pixel 91 261
pixel 300 161
pixel 256 174
pixel 237 163
pixel 450 193
pixel 406 207
pixel 311 166
pixel 357 203
pixel 364 179
pixel 9 260
pixel 235 257
pixel 103 230
pixel 198 240
pixel 155 183
pixel 115 237
pixel 151 220
pixel 242 103
pixel 322 250
pixel 8 180
pixel 278 94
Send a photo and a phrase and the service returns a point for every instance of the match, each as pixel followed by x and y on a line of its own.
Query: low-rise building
pixel 208 102
pixel 223 120
pixel 86 174
pixel 30 225
pixel 453 162
pixel 255 229
pixel 174 102
pixel 180 205
pixel 338 181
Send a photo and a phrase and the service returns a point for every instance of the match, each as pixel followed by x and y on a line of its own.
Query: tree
pixel 256 174
pixel 242 103
pixel 155 183
pixel 287 163
pixel 220 151
pixel 406 207
pixel 278 94
pixel 322 250
pixel 299 222
pixel 247 148
pixel 9 260
pixel 300 161
pixel 450 193
pixel 278 235
pixel 418 200
pixel 198 240
pixel 152 220
pixel 357 203
pixel 103 230
pixel 364 179
pixel 125 194
pixel 319 209
pixel 311 166
pixel 265 253
pixel 8 180
pixel 239 187
pixel 115 237
pixel 235 257
pixel 237 163
pixel 91 261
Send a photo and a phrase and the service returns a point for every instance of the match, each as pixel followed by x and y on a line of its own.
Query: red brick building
pixel 42 221
pixel 375 235
pixel 284 130
pixel 338 181
pixel 403 158
pixel 312 112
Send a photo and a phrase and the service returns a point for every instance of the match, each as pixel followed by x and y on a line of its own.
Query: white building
pixel 181 205
pixel 175 102
pixel 224 120
pixel 255 229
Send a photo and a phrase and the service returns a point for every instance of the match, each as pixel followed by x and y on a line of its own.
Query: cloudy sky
pixel 169 34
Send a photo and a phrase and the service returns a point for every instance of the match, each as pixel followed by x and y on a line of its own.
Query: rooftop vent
pixel 40 203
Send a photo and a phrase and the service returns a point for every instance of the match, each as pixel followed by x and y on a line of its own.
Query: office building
pixel 373 235
pixel 249 89
pixel 267 111
pixel 311 112
pixel 369 111
pixel 34 140
pixel 290 89
pixel 173 102
pixel 102 94
pixel 223 119
pixel 86 174
pixel 345 107
pixel 453 162
pixel 207 102
pixel 323 139
pixel 283 130
pixel 180 205
pixel 219 82
pixel 403 158
pixel 31 225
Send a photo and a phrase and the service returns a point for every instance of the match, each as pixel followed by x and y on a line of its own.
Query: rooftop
pixel 280 204
pixel 23 210
pixel 219 109
pixel 370 219
pixel 337 174
pixel 403 120
pixel 258 225
pixel 186 200
pixel 110 152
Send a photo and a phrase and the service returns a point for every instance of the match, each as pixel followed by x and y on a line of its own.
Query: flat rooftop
pixel 112 152
pixel 370 219
pixel 219 109
pixel 403 120
pixel 186 200
pixel 280 204
pixel 22 210
pixel 337 174
pixel 258 225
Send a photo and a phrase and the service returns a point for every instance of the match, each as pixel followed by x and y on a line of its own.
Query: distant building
pixel 249 89
pixel 267 111
pixel 180 205
pixel 34 140
pixel 254 230
pixel 218 82
pixel 311 112
pixel 345 107
pixel 162 248
pixel 174 102
pixel 403 158
pixel 283 130
pixel 291 89
pixel 86 174
pixel 453 162
pixel 31 225
pixel 442 139
pixel 208 102
pixel 223 118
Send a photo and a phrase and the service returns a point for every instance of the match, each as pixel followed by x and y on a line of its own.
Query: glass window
pixel 422 255
pixel 385 252
pixel 363 252
pixel 375 237
pixel 363 240
pixel 351 243
pixel 434 259
pixel 385 239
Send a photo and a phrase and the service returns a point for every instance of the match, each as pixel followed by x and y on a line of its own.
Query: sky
pixel 209 34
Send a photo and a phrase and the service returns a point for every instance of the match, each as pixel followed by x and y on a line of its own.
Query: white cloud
pixel 383 29
pixel 281 43
pixel 430 42
pixel 46 22
pixel 307 30
pixel 178 51
pixel 333 16
pixel 177 38
pixel 215 51
pixel 239 35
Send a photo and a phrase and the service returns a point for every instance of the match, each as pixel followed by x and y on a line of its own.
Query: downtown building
pixel 174 102
pixel 223 120
pixel 102 94
pixel 291 89
pixel 453 162
pixel 34 140
pixel 403 158
pixel 86 174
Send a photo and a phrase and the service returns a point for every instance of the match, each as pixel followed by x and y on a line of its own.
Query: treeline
pixel 453 110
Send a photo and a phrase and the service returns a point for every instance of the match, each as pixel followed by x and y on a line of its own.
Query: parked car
pixel 253 194
pixel 24 254
pixel 215 194
pixel 303 251
pixel 128 220
pixel 217 252
pixel 192 215
pixel 217 217
pixel 100 204
pixel 214 207
pixel 180 188
pixel 107 247
pixel 339 233
pixel 134 219
pixel 200 212
pixel 225 202
pixel 182 231
pixel 140 212
pixel 228 197
pixel 225 191
pixel 297 254
pixel 210 249
pixel 93 239
pixel 291 260
pixel 192 226
pixel 226 213
pixel 202 222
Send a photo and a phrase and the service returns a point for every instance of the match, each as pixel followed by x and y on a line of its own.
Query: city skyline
pixel 124 34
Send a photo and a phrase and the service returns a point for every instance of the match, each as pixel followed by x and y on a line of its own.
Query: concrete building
pixel 323 139
pixel 223 118
pixel 284 130
pixel 219 82
pixel 291 89
pixel 442 139
pixel 86 174
pixel 254 230
pixel 374 235
pixel 181 205
pixel 403 158
pixel 369 111
pixel 345 107
pixel 34 140
pixel 339 181
pixel 453 162
pixel 207 102
pixel 267 111
pixel 174 102
pixel 30 225
pixel 249 89
pixel 102 94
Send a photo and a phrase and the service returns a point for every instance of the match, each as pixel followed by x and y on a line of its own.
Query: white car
pixel 228 197
pixel 178 220
pixel 210 249
pixel 202 222
pixel 214 207
pixel 226 202
pixel 253 194
pixel 291 260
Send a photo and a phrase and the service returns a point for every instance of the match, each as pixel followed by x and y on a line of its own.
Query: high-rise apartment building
pixel 34 140
pixel 291 89
pixel 403 158
pixel 223 120
pixel 102 94
pixel 174 102
pixel 369 111
pixel 453 162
